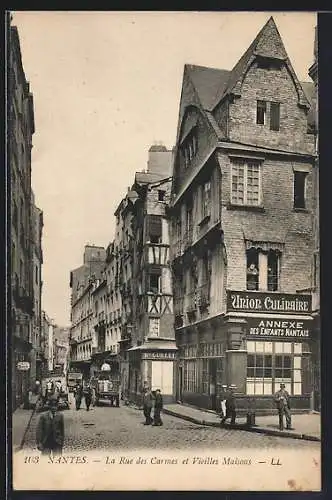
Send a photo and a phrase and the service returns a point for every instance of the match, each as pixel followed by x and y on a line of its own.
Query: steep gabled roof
pixel 208 82
pixel 212 84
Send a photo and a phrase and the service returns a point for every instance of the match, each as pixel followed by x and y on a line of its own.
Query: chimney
pixel 160 160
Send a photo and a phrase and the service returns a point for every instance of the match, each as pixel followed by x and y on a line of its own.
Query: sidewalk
pixel 306 426
pixel 20 423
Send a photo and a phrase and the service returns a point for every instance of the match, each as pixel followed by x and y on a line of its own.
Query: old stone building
pixel 83 281
pixel 242 239
pixel 37 357
pixel 152 355
pixel 21 127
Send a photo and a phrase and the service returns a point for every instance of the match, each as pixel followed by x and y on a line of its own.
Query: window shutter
pixel 155 225
pixel 275 116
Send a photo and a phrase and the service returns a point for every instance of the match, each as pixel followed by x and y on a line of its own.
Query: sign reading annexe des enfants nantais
pixel 274 304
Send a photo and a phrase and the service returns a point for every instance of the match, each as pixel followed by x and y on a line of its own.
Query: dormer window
pixel 189 147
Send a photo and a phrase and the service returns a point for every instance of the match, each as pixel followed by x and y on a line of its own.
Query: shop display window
pixel 271 363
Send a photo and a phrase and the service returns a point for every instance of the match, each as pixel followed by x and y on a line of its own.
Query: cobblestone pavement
pixel 105 428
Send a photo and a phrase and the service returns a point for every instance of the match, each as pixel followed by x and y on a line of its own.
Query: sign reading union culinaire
pixel 278 329
pixel 283 303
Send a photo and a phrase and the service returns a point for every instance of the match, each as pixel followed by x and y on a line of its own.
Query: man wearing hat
pixel 50 430
pixel 281 399
pixel 230 405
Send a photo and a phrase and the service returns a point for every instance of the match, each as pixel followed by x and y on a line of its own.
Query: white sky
pixel 106 86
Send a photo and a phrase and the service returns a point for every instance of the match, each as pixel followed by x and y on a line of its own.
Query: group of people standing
pixel 281 399
pixel 152 400
pixel 81 392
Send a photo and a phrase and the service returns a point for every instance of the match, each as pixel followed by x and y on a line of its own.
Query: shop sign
pixel 283 303
pixel 23 366
pixel 158 355
pixel 274 328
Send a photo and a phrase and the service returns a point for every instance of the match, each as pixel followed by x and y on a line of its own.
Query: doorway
pixel 180 384
pixel 213 383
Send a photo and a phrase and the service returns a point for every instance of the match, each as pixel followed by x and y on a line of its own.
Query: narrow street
pixel 108 428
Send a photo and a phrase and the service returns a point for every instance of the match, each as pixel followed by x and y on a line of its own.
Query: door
pixel 162 376
pixel 180 384
pixel 213 383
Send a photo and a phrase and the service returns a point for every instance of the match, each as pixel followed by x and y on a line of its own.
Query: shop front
pixel 20 372
pixel 152 364
pixel 269 343
pixel 261 341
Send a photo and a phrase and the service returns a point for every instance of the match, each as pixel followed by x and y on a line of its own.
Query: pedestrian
pixel 88 396
pixel 147 405
pixel 78 393
pixel 281 399
pixel 223 396
pixel 158 406
pixel 230 405
pixel 50 430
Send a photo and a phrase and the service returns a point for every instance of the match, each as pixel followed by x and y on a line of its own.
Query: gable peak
pixel 269 42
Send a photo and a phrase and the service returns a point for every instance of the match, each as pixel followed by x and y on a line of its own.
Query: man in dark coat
pixel 281 399
pixel 78 391
pixel 158 406
pixel 87 396
pixel 50 430
pixel 147 405
pixel 230 405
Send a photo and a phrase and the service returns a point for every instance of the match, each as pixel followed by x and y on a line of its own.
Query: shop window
pixel 205 376
pixel 252 269
pixel 271 363
pixel 299 189
pixel 246 182
pixel 190 376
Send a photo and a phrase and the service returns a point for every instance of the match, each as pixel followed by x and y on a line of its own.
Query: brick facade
pixel 219 109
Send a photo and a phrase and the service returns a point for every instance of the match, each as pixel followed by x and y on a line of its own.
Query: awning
pixel 155 346
pixel 298 317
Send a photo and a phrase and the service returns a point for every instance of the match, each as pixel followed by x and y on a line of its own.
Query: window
pixel 189 147
pixel 189 375
pixel 271 363
pixel 206 195
pixel 246 181
pixel 274 116
pixel 189 221
pixel 272 271
pixel 154 325
pixel 154 283
pixel 263 269
pixel 13 257
pixel 154 225
pixel 205 376
pixel 261 112
pixel 161 195
pixel 36 275
pixel 299 189
pixel 252 269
